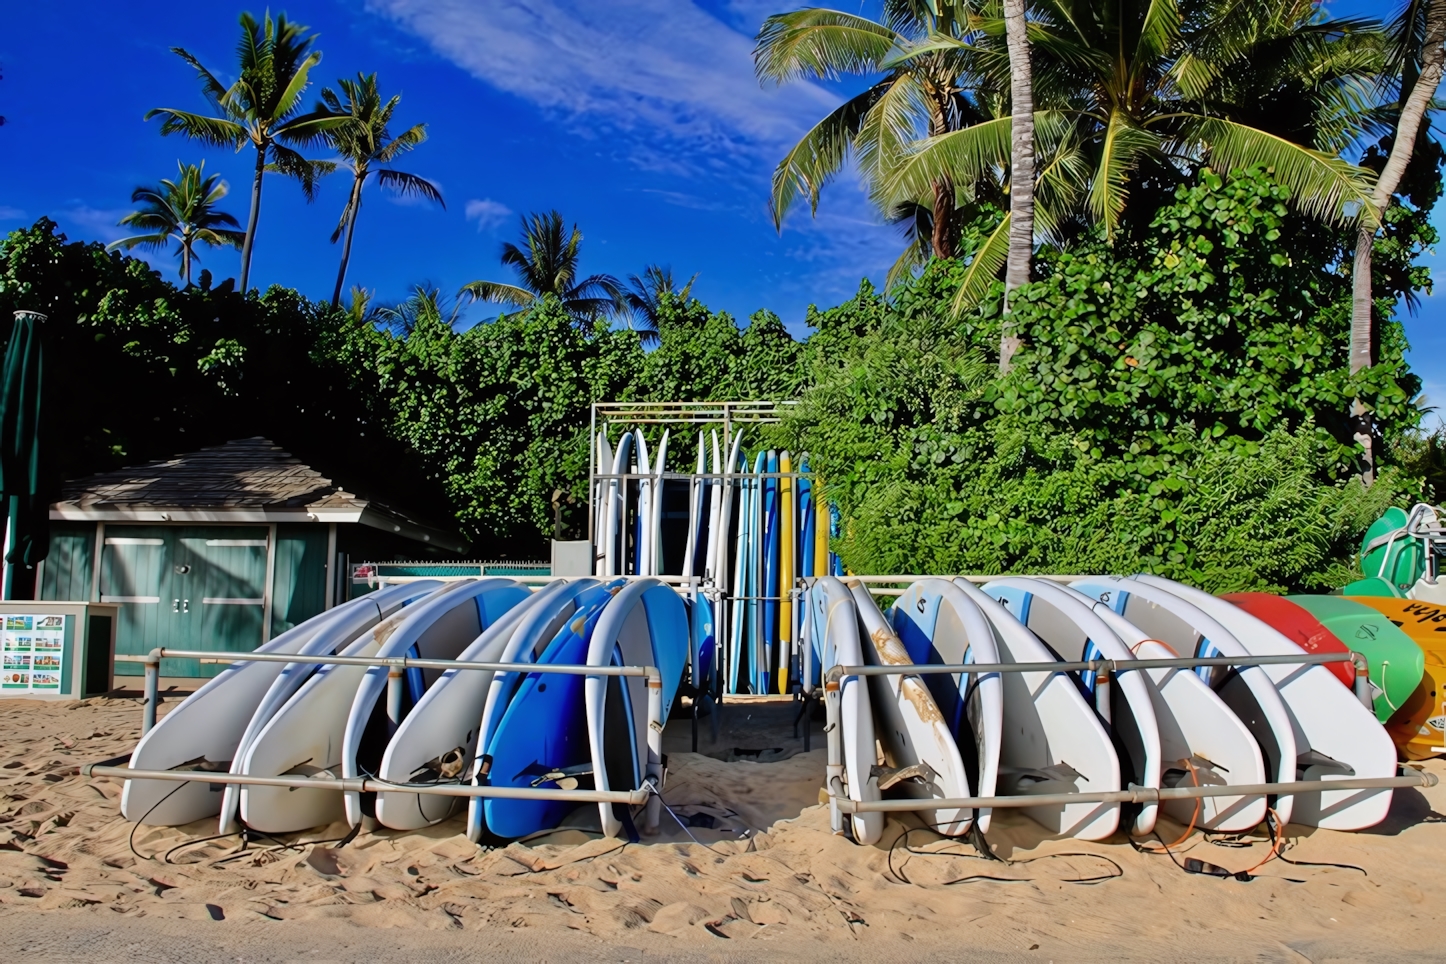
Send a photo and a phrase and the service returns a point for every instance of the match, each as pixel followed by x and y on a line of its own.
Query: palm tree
pixel 363 141
pixel 183 211
pixel 1142 92
pixel 260 109
pixel 644 296
pixel 1021 167
pixel 918 94
pixel 547 264
pixel 1421 54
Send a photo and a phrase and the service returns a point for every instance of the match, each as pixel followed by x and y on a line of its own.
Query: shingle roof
pixel 253 473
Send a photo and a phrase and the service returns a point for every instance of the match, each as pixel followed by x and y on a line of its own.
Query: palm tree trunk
pixel 353 207
pixel 251 220
pixel 1413 111
pixel 186 259
pixel 1021 173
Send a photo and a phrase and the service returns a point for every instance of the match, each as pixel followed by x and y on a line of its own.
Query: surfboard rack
pixel 645 795
pixel 840 803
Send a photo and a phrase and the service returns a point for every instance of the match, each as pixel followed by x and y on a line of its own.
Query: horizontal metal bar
pixel 688 476
pixel 371 785
pixel 396 661
pixel 972 578
pixel 1089 665
pixel 1135 794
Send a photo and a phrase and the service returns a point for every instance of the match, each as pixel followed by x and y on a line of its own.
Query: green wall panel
pixel 67 571
pixel 299 591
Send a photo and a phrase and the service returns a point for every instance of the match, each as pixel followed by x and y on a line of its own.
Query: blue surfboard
pixel 771 547
pixel 543 734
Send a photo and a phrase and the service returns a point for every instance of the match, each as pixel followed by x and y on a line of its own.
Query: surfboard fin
pixel 888 777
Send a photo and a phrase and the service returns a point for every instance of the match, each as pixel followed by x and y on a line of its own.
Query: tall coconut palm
pixel 917 95
pixel 1021 166
pixel 1142 92
pixel 1420 34
pixel 262 109
pixel 364 141
pixel 644 296
pixel 547 264
pixel 184 211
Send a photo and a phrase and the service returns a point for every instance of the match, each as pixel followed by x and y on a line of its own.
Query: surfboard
pixel 437 741
pixel 757 661
pixel 787 540
pixel 1336 737
pixel 1073 630
pixel 388 600
pixel 937 623
pixel 305 734
pixel 737 637
pixel 1247 690
pixel 645 624
pixel 694 546
pixel 541 738
pixel 805 557
pixel 909 723
pixel 643 518
pixel 1396 663
pixel 1297 625
pixel 837 615
pixel 601 496
pixel 655 521
pixel 206 728
pixel 615 543
pixel 702 654
pixel 768 668
pixel 1418 728
pixel 1052 740
pixel 1202 743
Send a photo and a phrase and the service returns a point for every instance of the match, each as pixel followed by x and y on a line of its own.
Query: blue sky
pixel 640 121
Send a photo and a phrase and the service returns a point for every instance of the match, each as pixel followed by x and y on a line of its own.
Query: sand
pixel 766 877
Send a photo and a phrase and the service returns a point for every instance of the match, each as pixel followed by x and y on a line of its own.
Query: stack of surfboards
pixel 1046 731
pixel 750 528
pixel 333 721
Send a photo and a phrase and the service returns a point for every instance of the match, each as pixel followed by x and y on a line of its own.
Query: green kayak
pixel 1396 662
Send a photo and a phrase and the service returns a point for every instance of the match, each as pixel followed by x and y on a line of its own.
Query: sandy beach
pixel 764 877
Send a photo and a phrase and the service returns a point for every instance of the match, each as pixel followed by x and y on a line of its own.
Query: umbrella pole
pixel 7 571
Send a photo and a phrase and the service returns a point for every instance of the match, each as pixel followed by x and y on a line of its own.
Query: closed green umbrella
pixel 24 479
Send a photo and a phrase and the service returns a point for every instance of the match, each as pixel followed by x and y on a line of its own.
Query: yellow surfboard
pixel 786 541
pixel 820 531
pixel 1418 727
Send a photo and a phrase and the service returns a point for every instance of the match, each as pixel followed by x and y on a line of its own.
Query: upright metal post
pixel 1363 680
pixel 654 809
pixel 1102 694
pixel 153 691
pixel 833 772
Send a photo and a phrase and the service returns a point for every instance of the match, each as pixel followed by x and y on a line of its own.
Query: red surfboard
pixel 1297 625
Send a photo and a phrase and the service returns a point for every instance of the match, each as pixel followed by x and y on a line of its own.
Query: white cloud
pixel 675 80
pixel 98 223
pixel 8 213
pixel 487 213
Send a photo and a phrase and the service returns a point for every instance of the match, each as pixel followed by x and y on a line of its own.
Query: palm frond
pixel 215 131
pixel 1122 146
pixel 213 90
pixel 1322 186
pixel 820 43
pixel 498 293
pixel 983 269
pixel 409 185
pixel 155 242
pixel 1159 30
pixel 963 156
pixel 308 173
pixel 819 155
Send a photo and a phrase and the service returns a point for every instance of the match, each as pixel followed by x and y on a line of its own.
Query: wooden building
pixel 219 549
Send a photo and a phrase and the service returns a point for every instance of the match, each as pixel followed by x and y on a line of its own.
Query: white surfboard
pixel 615 545
pixel 602 494
pixel 204 731
pixel 1053 741
pixel 1201 741
pixel 1075 631
pixel 937 623
pixel 655 519
pixel 304 737
pixel 438 740
pixel 909 724
pixel 1250 693
pixel 833 610
pixel 384 603
pixel 693 547
pixel 432 633
pixel 1336 737
pixel 716 533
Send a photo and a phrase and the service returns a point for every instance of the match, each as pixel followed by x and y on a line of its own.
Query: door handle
pixel 185 605
pixel 175 605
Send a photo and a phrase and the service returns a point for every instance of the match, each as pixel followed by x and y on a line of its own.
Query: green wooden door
pixel 185 587
pixel 133 564
pixel 227 581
